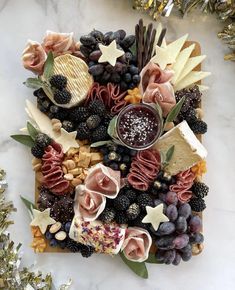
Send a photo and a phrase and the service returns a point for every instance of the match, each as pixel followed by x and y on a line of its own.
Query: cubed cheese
pixel 188 149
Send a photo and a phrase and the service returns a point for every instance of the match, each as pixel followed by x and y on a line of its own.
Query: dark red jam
pixel 138 126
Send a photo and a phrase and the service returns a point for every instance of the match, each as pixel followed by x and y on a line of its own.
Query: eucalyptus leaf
pixel 159 109
pixel 29 205
pixel 175 111
pixel 138 268
pixel 33 83
pixel 48 67
pixel 32 130
pixel 24 139
pixel 170 153
pixel 163 157
pixel 112 127
pixel 101 143
pixel 152 259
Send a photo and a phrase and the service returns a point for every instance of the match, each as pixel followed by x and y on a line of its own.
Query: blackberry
pixel 86 251
pixel 193 94
pixel 42 140
pixel 197 204
pixel 37 151
pixel 73 246
pixel 106 120
pixel 107 215
pixel 200 189
pixel 133 211
pixel 121 202
pixel 79 114
pixel 62 209
pixel 58 81
pixel 186 105
pixel 97 107
pixel 67 125
pixel 40 94
pixel 62 97
pixel 131 195
pixel 99 134
pixel 121 217
pixel 189 115
pixel 143 200
pixel 138 222
pixel 83 131
pixel 198 127
pixel 93 121
pixel 54 109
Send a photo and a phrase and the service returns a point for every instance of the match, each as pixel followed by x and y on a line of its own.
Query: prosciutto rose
pixel 34 57
pixel 88 205
pixel 103 180
pixel 137 244
pixel 59 43
pixel 155 87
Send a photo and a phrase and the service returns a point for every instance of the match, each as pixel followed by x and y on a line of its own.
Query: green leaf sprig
pixel 175 111
pixel 166 158
pixel 27 140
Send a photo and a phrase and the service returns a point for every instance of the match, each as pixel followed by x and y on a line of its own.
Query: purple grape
pixel 165 243
pixel 187 248
pixel 171 198
pixel 96 70
pixel 195 224
pixel 162 196
pixel 106 76
pixel 95 55
pixel 181 241
pixel 166 228
pixel 123 86
pixel 186 256
pixel 122 33
pixel 91 63
pixel 157 202
pixel 127 41
pixel 136 79
pixel 107 37
pixel 109 68
pixel 185 210
pixel 181 225
pixel 171 212
pixel 160 255
pixel 88 40
pixel 115 78
pixel 133 70
pixel 128 56
pixel 196 238
pixel 127 77
pixel 169 257
pixel 85 50
pixel 97 34
pixel 177 259
pixel 118 66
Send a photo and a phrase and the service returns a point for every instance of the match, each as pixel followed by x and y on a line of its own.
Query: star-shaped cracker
pixel 155 216
pixel 42 219
pixel 67 140
pixel 163 57
pixel 110 53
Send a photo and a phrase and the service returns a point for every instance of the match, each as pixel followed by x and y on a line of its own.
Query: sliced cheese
pixel 181 61
pixel 188 149
pixel 190 65
pixel 203 88
pixel 191 78
pixel 43 122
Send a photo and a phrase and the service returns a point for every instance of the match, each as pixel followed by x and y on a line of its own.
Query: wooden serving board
pixel 49 249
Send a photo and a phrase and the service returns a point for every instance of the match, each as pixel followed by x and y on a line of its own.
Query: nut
pixel 55 227
pixel 68 176
pixel 76 181
pixel 76 171
pixel 64 169
pixel 36 161
pixel 72 151
pixel 199 113
pixel 56 125
pixel 60 236
pixel 168 126
pixel 197 249
pixel 37 167
pixel 70 164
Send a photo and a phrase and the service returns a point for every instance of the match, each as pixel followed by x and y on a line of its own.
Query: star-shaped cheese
pixel 110 53
pixel 155 216
pixel 67 140
pixel 42 219
pixel 162 57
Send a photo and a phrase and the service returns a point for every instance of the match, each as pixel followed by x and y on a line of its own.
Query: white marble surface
pixel 214 268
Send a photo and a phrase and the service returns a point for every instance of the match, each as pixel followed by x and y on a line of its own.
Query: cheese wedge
pixel 191 78
pixel 188 149
pixel 181 61
pixel 189 66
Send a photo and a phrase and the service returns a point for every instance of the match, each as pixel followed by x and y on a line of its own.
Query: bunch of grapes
pixel 125 72
pixel 175 238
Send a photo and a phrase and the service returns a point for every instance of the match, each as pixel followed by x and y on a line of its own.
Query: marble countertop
pixel 214 268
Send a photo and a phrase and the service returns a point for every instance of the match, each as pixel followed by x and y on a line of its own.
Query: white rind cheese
pixel 188 149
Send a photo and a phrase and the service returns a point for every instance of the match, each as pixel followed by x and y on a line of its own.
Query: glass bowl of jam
pixel 138 126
